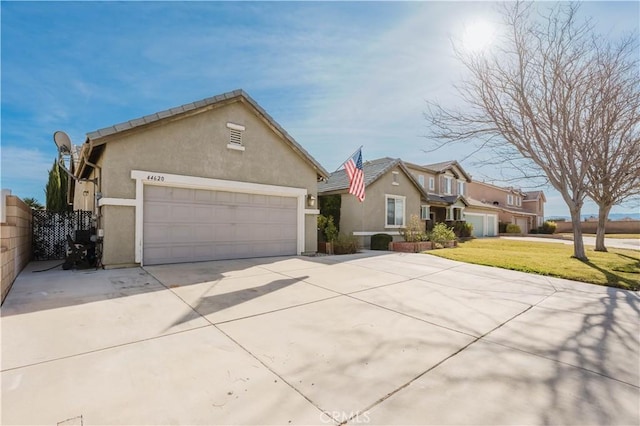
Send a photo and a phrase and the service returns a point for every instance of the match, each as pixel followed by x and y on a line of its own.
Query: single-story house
pixel 212 179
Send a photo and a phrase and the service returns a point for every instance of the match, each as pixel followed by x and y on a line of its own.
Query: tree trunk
pixel 578 244
pixel 603 213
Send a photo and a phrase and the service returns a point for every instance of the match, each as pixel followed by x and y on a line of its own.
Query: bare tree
pixel 529 101
pixel 614 167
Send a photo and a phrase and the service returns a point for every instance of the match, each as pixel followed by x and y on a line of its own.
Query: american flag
pixel 353 166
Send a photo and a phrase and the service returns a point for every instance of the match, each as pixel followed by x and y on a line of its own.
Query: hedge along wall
pixel 15 239
pixel 612 227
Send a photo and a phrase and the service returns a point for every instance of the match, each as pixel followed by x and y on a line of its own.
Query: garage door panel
pixel 478 224
pixel 183 225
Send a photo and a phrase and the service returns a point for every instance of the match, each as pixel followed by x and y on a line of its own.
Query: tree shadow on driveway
pixel 208 305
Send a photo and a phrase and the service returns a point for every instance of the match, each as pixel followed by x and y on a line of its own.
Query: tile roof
pixel 532 194
pixel 372 171
pixel 477 203
pixel 438 167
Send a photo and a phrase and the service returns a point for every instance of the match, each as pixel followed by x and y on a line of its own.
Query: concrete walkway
pixel 374 338
pixel 623 243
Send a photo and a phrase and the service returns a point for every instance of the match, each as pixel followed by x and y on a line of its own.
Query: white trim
pixel 143 177
pixel 139 221
pixel 235 146
pixel 432 183
pixel 215 184
pixel 236 126
pixel 311 211
pixel 129 202
pixel 370 233
pixel 302 201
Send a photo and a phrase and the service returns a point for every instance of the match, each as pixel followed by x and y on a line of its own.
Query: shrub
pixel 502 227
pixel 441 233
pixel 512 228
pixel 380 241
pixel 548 227
pixel 463 229
pixel 345 244
pixel 533 231
pixel 327 228
pixel 415 231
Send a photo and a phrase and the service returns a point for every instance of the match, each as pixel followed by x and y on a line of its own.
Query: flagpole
pixel 352 154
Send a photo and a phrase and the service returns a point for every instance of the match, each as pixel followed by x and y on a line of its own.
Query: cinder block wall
pixel 612 227
pixel 15 241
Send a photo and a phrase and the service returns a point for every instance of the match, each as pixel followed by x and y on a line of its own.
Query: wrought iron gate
pixel 50 230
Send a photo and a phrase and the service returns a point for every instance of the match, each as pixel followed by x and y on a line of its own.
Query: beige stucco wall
pixel 197 146
pixel 611 227
pixel 370 215
pixel 15 241
pixel 490 194
pixel 118 246
pixel 417 172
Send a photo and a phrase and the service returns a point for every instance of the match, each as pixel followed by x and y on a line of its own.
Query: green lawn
pixel 617 268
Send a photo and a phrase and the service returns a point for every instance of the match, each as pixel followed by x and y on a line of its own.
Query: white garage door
pixel 491 225
pixel 186 225
pixel 523 224
pixel 477 222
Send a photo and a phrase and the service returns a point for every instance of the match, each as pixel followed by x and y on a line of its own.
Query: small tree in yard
pixel 536 102
pixel 415 231
pixel 614 167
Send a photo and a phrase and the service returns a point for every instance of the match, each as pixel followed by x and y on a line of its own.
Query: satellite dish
pixel 63 142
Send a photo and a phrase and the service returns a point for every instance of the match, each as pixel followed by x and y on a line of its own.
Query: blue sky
pixel 335 75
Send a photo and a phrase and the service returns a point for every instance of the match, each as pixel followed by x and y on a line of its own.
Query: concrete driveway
pixel 373 338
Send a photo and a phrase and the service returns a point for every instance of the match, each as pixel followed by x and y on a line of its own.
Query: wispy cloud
pixel 25 171
pixel 336 75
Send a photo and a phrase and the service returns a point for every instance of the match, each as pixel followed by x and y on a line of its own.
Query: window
pixel 424 212
pixel 460 187
pixel 421 180
pixel 235 136
pixel 509 199
pixel 447 185
pixel 395 211
pixel 432 184
pixel 395 178
pixel 518 201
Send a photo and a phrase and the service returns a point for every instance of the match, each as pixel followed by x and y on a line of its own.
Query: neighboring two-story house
pixel 525 209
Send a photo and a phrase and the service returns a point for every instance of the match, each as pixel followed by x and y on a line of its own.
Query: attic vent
pixel 235 136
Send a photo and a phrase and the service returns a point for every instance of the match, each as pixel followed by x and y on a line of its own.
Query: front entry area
pixel 187 225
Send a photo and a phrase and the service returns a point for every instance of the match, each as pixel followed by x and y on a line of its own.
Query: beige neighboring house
pixel 447 181
pixel 445 184
pixel 392 195
pixel 525 209
pixel 213 179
